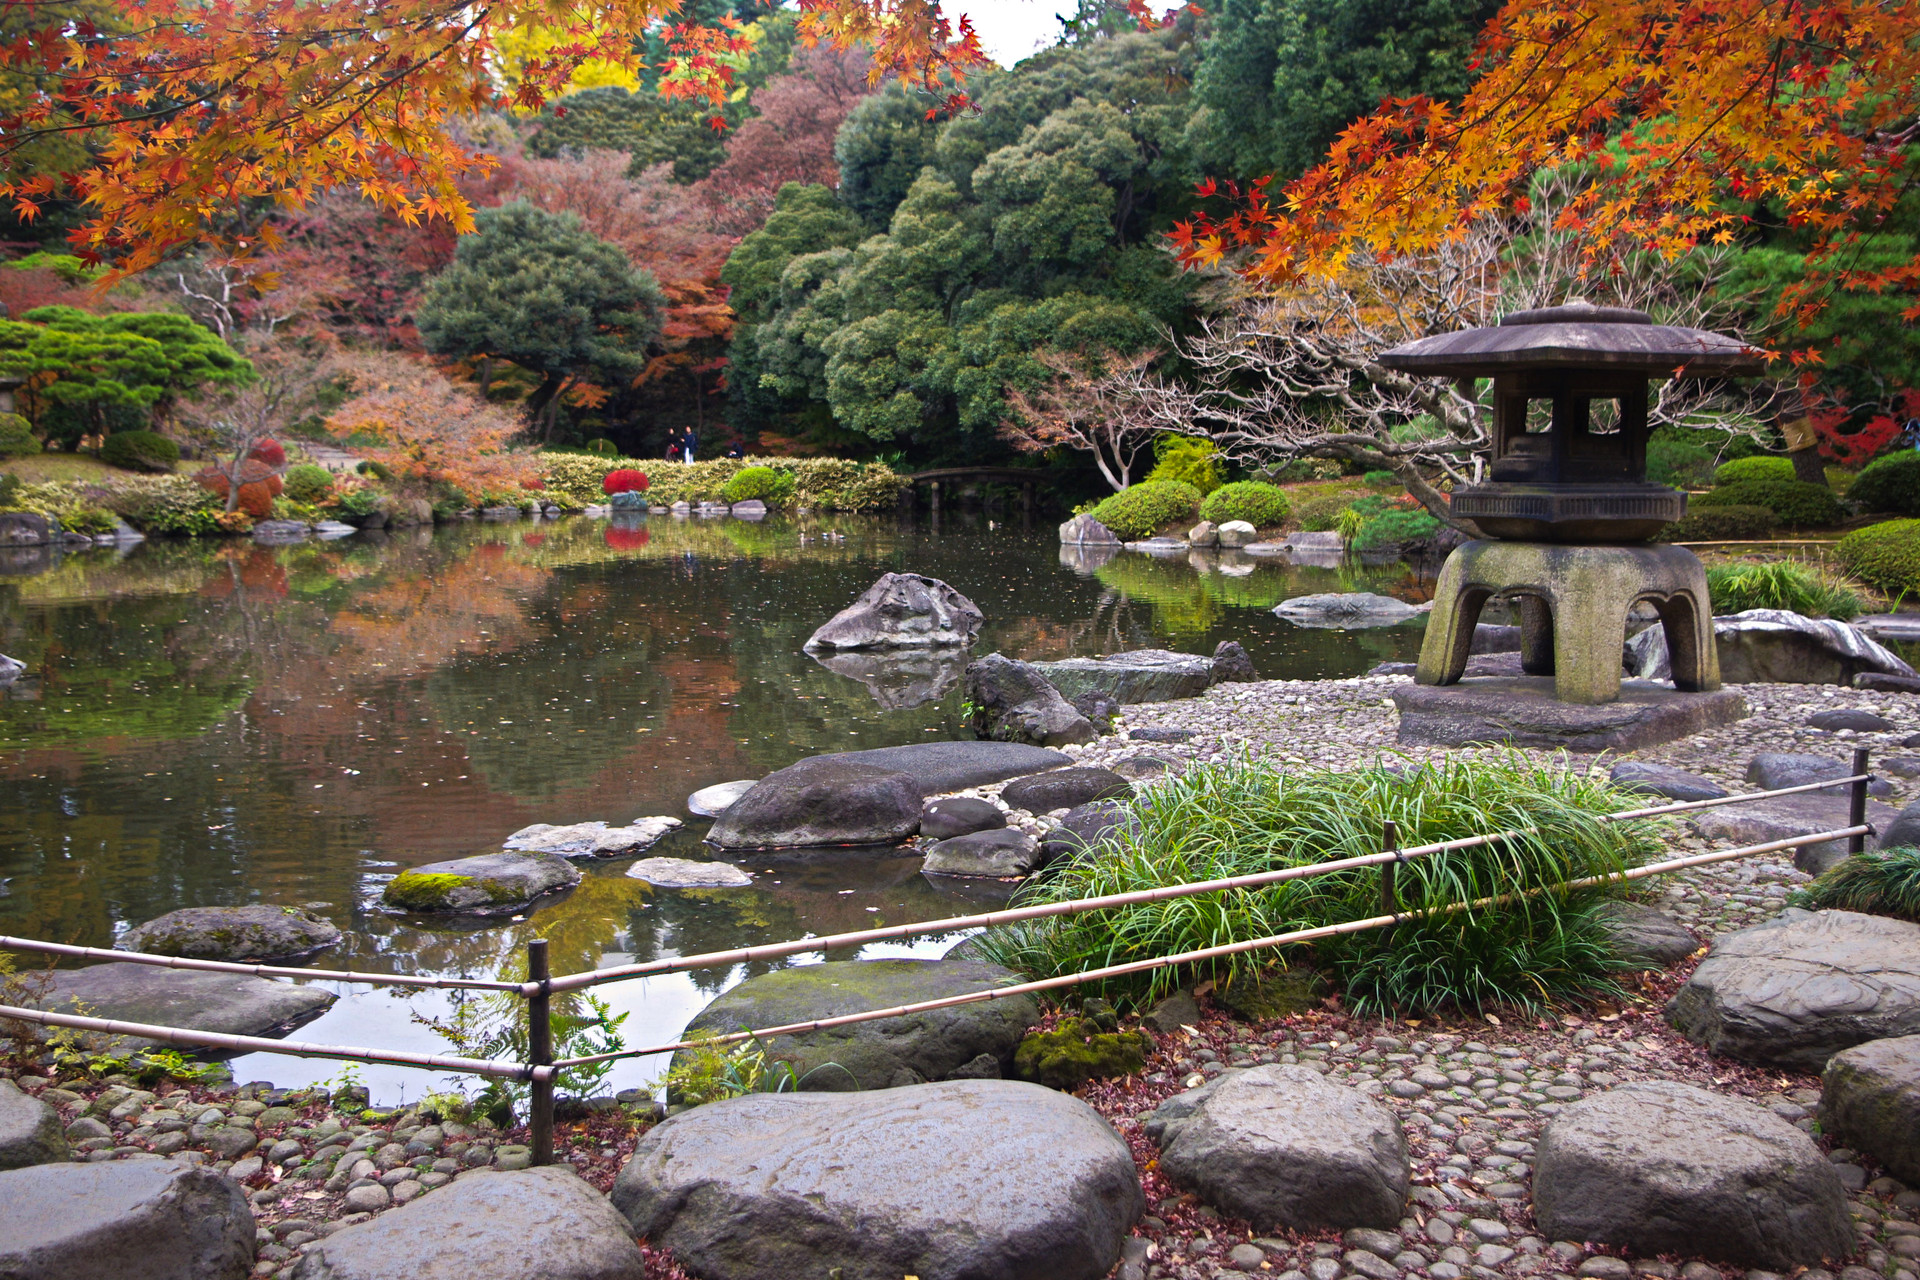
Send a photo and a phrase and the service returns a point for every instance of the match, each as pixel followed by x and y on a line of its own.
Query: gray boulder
pixel 748 509
pixel 1870 1101
pixel 1237 533
pixel 958 816
pixel 1284 1147
pixel 937 767
pixel 1774 646
pixel 1064 789
pixel 121 1219
pixel 1883 683
pixel 1001 854
pixel 1847 718
pixel 685 873
pixel 257 934
pixel 1204 534
pixel 1661 1167
pixel 228 1003
pixel 1084 531
pixel 821 801
pixel 1140 675
pixel 1664 780
pixel 536 1224
pixel 1645 936
pixel 1099 709
pixel 1771 770
pixel 488 884
pixel 898 679
pixel 25 529
pixel 591 839
pixel 1161 735
pixel 1904 830
pixel 1013 702
pixel 1086 826
pixel 1232 664
pixel 902 611
pixel 30 1130
pixel 1344 610
pixel 885 1053
pixel 1798 989
pixel 711 802
pixel 952 1181
pixel 280 533
pixel 1782 818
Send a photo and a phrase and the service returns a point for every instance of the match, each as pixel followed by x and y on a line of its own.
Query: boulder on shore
pixel 1139 675
pixel 488 884
pixel 1235 534
pixel 951 1181
pixel 1002 854
pixel 1803 986
pixel 31 1132
pixel 953 816
pixel 1870 1101
pixel 1662 1167
pixel 938 767
pixel 1344 610
pixel 822 801
pixel 256 934
pixel 1772 770
pixel 1232 664
pixel 1082 531
pixel 1086 826
pixel 1784 817
pixel 902 611
pixel 1903 830
pixel 227 1003
pixel 1644 936
pixel 120 1219
pixel 1064 789
pixel 883 1054
pixel 1774 646
pixel 1013 702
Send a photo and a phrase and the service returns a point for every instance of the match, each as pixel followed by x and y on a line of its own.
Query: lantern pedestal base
pixel 1522 711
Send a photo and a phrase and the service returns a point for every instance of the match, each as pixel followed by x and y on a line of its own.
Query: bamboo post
pixel 1857 806
pixel 1389 843
pixel 540 1051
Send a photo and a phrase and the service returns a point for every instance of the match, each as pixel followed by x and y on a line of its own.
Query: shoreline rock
pixel 256 934
pixel 489 884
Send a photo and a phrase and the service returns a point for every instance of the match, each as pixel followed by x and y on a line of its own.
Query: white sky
pixel 1011 29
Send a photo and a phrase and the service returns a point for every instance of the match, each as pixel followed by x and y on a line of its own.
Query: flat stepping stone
pixel 489 884
pixel 1645 936
pixel 591 839
pixel 1344 610
pixel 1661 1167
pixel 1524 711
pixel 228 1003
pixel 939 767
pixel 150 1219
pixel 1870 1101
pixel 1664 780
pixel 1858 721
pixel 822 801
pixel 1141 675
pixel 1065 789
pixel 964 1178
pixel 1800 988
pixel 684 873
pixel 711 802
pixel 1782 818
pixel 30 1130
pixel 1285 1147
pixel 257 934
pixel 958 816
pixel 886 1053
pixel 546 1223
pixel 1003 854
pixel 1771 770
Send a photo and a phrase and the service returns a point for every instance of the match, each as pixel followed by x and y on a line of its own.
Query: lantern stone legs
pixel 1574 602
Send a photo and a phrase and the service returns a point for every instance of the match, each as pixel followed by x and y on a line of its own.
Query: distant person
pixel 735 451
pixel 685 445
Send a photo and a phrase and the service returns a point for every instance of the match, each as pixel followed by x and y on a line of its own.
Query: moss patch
pixel 1078 1051
pixel 428 892
pixel 1273 994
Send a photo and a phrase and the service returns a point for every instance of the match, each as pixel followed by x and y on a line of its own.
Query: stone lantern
pixel 1566 505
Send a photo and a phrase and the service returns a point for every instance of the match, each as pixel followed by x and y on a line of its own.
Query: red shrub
pixel 259 486
pixel 269 452
pixel 625 480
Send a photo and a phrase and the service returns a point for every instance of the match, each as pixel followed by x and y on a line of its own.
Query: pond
pixel 219 723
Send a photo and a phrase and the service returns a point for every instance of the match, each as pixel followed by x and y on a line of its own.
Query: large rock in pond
pixel 1798 989
pixel 1085 531
pixel 228 1003
pixel 1140 675
pixel 532 1224
pixel 591 839
pixel 1774 646
pixel 953 816
pixel 1013 702
pixel 1001 854
pixel 953 1181
pixel 30 1131
pixel 902 611
pixel 822 801
pixel 1284 1147
pixel 1064 789
pixel 1644 936
pixel 122 1219
pixel 898 679
pixel 255 934
pixel 489 884
pixel 1662 1167
pixel 1870 1101
pixel 711 802
pixel 937 767
pixel 1345 610
pixel 885 1053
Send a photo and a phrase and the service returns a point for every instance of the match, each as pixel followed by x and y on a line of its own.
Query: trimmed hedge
pixel 16 436
pixel 140 451
pixel 1259 504
pixel 307 483
pixel 1145 508
pixel 769 486
pixel 1718 524
pixel 1798 505
pixel 1890 484
pixel 1886 555
pixel 825 484
pixel 1758 467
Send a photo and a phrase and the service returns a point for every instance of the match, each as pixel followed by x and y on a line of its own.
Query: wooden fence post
pixel 1857 806
pixel 540 1051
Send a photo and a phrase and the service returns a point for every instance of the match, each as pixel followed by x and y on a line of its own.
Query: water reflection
pixel 220 723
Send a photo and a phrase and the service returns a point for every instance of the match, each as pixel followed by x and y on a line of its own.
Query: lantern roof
pixel 1577 335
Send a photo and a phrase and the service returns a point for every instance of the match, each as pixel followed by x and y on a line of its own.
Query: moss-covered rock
pixel 257 934
pixel 1078 1051
pixel 1274 994
pixel 487 885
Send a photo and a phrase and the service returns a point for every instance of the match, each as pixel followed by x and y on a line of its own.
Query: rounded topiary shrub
pixel 1798 505
pixel 1322 515
pixel 307 483
pixel 1886 556
pixel 1254 501
pixel 769 486
pixel 625 480
pixel 1758 467
pixel 1717 524
pixel 1144 509
pixel 603 447
pixel 139 451
pixel 1890 484
pixel 16 436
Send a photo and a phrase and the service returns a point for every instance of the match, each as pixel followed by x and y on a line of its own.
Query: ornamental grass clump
pixel 1779 584
pixel 1542 945
pixel 1879 884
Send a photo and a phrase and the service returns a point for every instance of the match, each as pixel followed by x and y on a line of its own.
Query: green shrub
pixel 1759 467
pixel 1145 508
pixel 307 483
pixel 1797 505
pixel 1683 463
pixel 1380 480
pixel 140 451
pixel 771 487
pixel 1890 484
pixel 1720 524
pixel 1258 503
pixel 1187 460
pixel 10 487
pixel 172 504
pixel 1779 584
pixel 1252 815
pixel 1321 515
pixel 1879 884
pixel 89 520
pixel 1395 526
pixel 16 436
pixel 823 484
pixel 603 447
pixel 1886 556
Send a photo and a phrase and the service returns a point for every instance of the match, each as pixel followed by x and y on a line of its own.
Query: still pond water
pixel 210 724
